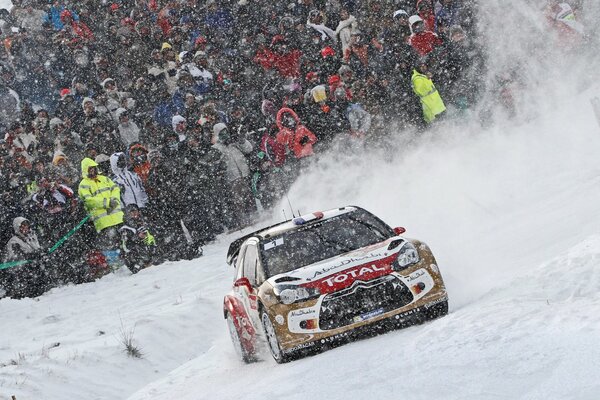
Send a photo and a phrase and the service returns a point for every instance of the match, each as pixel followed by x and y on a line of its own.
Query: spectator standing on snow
pixel 431 101
pixel 129 132
pixel 102 200
pixel 238 175
pixel 297 137
pixel 28 279
pixel 422 40
pixel 130 184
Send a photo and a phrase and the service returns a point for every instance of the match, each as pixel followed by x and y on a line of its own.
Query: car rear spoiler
pixel 234 247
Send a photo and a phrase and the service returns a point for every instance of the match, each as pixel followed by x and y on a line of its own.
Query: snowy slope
pixel 510 211
pixel 511 218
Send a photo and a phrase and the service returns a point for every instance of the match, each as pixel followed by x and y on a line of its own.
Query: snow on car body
pixel 324 277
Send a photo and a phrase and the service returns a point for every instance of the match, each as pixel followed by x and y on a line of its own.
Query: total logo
pixel 354 273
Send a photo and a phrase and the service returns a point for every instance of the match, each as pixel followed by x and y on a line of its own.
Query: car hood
pixel 341 271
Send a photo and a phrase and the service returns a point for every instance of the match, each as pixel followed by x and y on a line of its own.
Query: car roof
pixel 286 226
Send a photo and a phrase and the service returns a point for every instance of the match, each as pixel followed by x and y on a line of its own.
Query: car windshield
pixel 322 240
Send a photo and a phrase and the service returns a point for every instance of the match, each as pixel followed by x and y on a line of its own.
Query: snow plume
pixel 489 199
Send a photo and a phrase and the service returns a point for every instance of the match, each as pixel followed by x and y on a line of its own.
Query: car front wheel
pixel 271 337
pixel 242 353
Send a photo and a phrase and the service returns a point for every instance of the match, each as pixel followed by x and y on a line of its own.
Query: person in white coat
pixel 241 202
pixel 129 132
pixel 132 189
pixel 344 29
pixel 28 280
pixel 24 242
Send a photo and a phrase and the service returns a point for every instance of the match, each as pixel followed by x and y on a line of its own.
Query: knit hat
pixel 58 156
pixel 414 19
pixel 100 158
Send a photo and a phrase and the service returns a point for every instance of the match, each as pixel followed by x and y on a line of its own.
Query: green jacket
pixel 96 195
pixel 431 101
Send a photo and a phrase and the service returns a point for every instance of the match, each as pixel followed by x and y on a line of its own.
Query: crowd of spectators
pixel 169 122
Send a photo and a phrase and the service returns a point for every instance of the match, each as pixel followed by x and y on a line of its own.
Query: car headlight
pixel 408 255
pixel 293 294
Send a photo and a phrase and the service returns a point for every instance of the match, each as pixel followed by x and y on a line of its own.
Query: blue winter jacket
pixel 53 17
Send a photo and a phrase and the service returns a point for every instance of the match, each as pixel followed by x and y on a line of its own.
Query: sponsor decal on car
pixel 303 311
pixel 343 263
pixel 298 347
pixel 369 315
pixel 333 338
pixel 354 273
pixel 345 278
pixel 408 313
pixel 438 301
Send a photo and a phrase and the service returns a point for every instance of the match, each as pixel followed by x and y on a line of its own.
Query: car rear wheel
pixel 272 340
pixel 242 353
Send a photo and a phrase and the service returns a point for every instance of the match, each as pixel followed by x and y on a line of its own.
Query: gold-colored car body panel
pixel 288 340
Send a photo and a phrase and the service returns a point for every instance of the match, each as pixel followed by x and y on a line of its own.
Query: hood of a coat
pixel 413 20
pixel 284 111
pixel 17 223
pixel 86 163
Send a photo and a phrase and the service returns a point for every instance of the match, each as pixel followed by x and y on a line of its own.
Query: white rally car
pixel 325 278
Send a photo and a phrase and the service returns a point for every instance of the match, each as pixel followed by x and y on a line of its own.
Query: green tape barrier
pixel 63 239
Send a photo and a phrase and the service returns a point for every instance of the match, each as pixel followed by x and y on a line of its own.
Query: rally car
pixel 325 278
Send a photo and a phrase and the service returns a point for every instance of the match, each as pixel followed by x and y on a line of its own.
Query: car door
pixel 248 293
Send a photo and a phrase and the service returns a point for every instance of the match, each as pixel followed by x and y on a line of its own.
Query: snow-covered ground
pixel 512 217
pixel 510 211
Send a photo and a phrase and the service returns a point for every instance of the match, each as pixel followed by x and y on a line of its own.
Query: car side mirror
pixel 243 282
pixel 399 230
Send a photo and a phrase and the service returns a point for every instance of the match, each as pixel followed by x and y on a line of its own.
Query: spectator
pixel 102 200
pixel 296 137
pixel 130 184
pixel 431 101
pixel 240 201
pixel 344 29
pixel 422 40
pixel 129 132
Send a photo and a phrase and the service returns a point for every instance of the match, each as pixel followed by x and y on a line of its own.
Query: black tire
pixel 272 340
pixel 242 353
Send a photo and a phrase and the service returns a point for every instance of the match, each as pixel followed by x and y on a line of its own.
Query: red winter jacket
pixel 274 151
pixel 293 138
pixel 427 15
pixel 287 64
pixel 424 42
pixel 79 28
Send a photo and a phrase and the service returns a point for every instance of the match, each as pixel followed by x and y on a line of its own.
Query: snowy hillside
pixel 511 218
pixel 511 212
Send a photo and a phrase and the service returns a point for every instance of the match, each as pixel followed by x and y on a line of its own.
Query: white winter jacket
pixel 19 245
pixel 237 165
pixel 344 31
pixel 132 190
